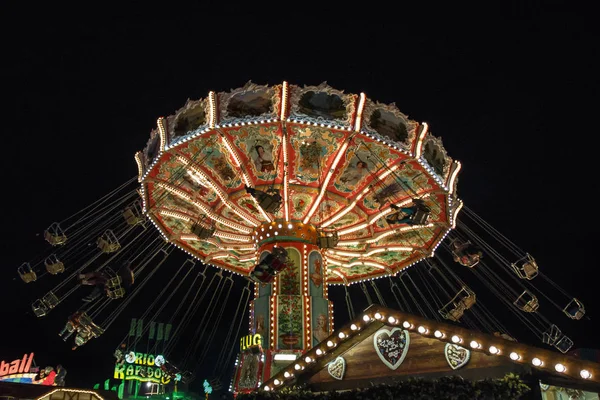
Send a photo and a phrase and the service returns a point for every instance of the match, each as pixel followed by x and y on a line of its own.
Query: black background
pixel 511 90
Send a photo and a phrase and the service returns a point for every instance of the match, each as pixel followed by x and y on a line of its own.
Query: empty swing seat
pixel 116 293
pixel 271 203
pixel 563 344
pixel 53 265
pixel 39 308
pixel 525 267
pixel 55 235
pixel 27 273
pixel 420 216
pixel 202 232
pixel 133 214
pixel 527 302
pixel 108 242
pixel 575 309
pixel 326 240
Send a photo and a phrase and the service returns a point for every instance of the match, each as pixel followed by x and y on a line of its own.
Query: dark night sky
pixel 512 93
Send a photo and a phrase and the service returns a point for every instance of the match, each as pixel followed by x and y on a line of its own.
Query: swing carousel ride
pixel 294 189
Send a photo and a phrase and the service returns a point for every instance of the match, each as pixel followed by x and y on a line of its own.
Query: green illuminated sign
pixel 143 368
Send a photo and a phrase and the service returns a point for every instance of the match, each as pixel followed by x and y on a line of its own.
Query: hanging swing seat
pixel 266 270
pixel 27 273
pixel 108 242
pixel 464 254
pixel 421 215
pixel 133 214
pixel 55 235
pixel 269 201
pixel 552 335
pixel 187 377
pixel 202 231
pixel 42 307
pixel 53 265
pixel 527 302
pixel 116 293
pixel 462 301
pixel 327 240
pixel 564 344
pixel 575 309
pixel 525 267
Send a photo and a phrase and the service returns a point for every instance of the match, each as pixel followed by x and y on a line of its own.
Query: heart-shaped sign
pixel 456 356
pixel 391 346
pixel 337 368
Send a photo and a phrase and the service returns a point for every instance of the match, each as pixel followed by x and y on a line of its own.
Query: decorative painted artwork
pixel 456 356
pixel 337 368
pixel 315 274
pixel 289 324
pixel 391 346
pixel 320 319
pixel 249 374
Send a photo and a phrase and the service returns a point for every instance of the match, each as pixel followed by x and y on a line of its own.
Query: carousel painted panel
pixel 260 151
pixel 188 120
pixel 315 274
pixel 202 247
pixel 364 161
pixel 390 124
pixel 174 225
pixel 330 205
pixel 301 198
pixel 289 280
pixel 290 326
pixel 247 204
pixel 436 156
pixel 322 104
pixel 250 101
pixel 228 213
pixel 213 158
pixel 313 150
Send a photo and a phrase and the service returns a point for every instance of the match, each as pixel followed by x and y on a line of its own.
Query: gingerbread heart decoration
pixel 456 356
pixel 337 368
pixel 391 346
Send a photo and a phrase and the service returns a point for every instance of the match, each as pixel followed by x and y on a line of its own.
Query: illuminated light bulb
pixel 438 334
pixel 319 352
pixel 270 227
pixel 268 235
pixel 537 362
pixel 267 388
pixel 366 318
pixel 585 374
pixel 261 238
pixel 276 233
pixel 514 356
pixel 456 339
pixel 287 374
pixel 474 344
pixel 262 229
pixel 422 330
pixel 297 367
pixel 290 226
pixel 308 359
pixel 378 316
pixel 407 324
pixel 354 327
pixel 276 381
pixel 560 367
pixel 341 335
pixel 279 226
pixel 494 350
pixel 330 343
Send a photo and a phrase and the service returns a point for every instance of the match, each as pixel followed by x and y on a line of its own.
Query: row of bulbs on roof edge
pixel 256 122
pixel 456 339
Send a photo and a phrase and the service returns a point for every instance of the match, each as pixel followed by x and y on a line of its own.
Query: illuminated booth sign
pixel 17 370
pixel 252 343
pixel 142 367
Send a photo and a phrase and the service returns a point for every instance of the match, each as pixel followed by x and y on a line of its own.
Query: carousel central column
pixel 293 313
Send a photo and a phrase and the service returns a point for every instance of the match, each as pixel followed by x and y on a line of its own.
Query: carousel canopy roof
pixel 338 160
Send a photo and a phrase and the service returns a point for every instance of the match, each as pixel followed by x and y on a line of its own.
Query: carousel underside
pixel 338 170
